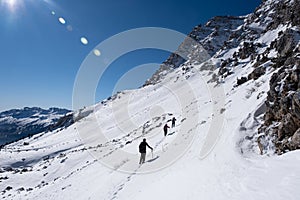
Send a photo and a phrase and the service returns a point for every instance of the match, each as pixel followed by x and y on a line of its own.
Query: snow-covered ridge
pixel 269 37
pixel 18 123
pixel 210 36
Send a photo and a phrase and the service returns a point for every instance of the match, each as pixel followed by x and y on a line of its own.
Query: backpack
pixel 141 148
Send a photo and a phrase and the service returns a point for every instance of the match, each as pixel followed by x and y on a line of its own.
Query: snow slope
pixel 97 157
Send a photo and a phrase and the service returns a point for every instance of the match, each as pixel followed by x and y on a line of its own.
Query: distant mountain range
pixel 19 123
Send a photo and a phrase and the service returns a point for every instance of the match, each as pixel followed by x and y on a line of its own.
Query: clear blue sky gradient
pixel 39 56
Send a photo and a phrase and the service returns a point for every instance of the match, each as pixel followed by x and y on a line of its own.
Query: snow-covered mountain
pixel 269 37
pixel 19 123
pixel 235 102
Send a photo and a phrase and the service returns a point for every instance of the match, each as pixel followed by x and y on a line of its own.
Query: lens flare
pixel 84 40
pixel 62 20
pixel 70 28
pixel 97 52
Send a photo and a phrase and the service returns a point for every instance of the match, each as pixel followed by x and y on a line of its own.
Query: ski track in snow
pixel 64 162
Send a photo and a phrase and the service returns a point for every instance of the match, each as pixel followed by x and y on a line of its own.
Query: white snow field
pixel 206 156
pixel 210 154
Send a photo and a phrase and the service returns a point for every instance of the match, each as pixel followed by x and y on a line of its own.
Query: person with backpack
pixel 173 122
pixel 142 149
pixel 166 129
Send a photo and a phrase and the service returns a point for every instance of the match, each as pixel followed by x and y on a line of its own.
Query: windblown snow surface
pixel 206 156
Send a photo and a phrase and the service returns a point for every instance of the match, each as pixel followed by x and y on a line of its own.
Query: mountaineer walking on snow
pixel 173 122
pixel 166 129
pixel 142 149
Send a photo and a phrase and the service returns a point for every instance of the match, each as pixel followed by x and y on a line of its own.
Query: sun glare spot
pixel 11 4
pixel 62 20
pixel 84 40
pixel 52 12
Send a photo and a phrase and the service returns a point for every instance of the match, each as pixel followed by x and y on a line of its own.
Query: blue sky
pixel 40 56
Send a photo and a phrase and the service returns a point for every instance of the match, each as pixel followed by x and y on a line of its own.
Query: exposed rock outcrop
pixel 203 42
pixel 269 41
pixel 282 118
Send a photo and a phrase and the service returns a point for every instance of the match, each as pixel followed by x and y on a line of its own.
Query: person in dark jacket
pixel 173 122
pixel 166 129
pixel 142 149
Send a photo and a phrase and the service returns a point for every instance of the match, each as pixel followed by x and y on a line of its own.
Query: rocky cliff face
pixel 268 40
pixel 277 23
pixel 282 117
pixel 210 37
